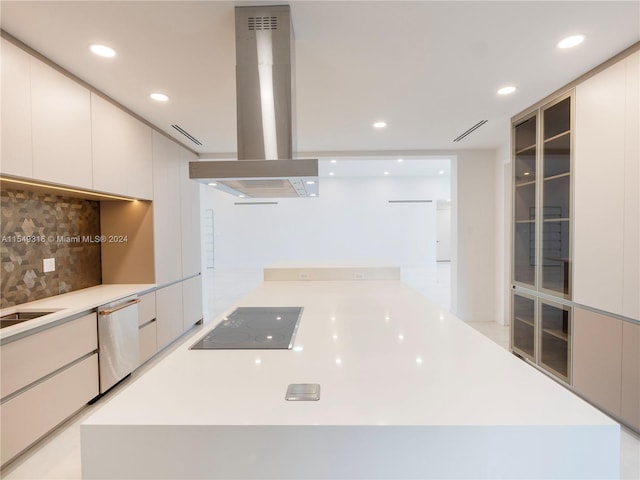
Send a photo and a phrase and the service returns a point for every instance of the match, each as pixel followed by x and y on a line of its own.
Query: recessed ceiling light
pixel 386 173
pixel 380 124
pixel 338 361
pixel 241 195
pixel 571 41
pixel 102 50
pixel 310 182
pixel 507 90
pixel 159 97
pixel 331 173
pixel 212 184
pixel 333 161
pixel 440 172
pixel 312 195
pixel 400 160
pixel 419 360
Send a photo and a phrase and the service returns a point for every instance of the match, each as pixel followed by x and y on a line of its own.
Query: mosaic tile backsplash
pixel 37 225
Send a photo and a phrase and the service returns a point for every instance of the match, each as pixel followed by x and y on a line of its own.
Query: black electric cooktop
pixel 254 328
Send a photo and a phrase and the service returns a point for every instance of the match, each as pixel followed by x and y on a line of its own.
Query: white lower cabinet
pixel 46 377
pixel 192 301
pixel 30 415
pixel 597 353
pixel 606 363
pixel 148 341
pixel 31 358
pixel 169 314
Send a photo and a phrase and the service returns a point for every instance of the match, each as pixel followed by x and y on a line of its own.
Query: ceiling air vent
pixel 187 134
pixel 262 23
pixel 472 129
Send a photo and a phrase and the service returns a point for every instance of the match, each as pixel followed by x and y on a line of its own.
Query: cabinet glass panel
pixel 557 156
pixel 556 263
pixel 557 119
pixel 555 335
pixel 556 199
pixel 524 244
pixel 523 330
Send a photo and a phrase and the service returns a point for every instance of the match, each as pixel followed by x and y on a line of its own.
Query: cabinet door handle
pixel 119 307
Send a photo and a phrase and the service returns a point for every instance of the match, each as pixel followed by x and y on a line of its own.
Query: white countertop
pixel 69 304
pixel 383 354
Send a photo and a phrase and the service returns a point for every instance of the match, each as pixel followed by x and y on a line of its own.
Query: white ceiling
pixel 429 69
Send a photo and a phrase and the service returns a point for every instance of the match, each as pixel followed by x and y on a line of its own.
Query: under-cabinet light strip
pixel 65 189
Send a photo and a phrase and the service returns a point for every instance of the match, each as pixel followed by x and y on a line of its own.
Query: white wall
pixel 351 220
pixel 503 231
pixel 474 217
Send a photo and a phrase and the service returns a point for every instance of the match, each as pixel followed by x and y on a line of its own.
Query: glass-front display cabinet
pixel 542 224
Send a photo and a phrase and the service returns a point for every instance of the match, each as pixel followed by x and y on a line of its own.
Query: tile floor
pixel 58 455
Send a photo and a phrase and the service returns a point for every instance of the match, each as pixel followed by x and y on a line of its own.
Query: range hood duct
pixel 265 112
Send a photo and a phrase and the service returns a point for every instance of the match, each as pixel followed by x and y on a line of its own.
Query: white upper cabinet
pixel 121 147
pixel 61 125
pixel 190 201
pixel 166 210
pixel 607 209
pixel 17 156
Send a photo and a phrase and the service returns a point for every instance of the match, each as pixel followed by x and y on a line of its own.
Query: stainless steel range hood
pixel 265 109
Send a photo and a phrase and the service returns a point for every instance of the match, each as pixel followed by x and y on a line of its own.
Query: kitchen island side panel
pixel 354 452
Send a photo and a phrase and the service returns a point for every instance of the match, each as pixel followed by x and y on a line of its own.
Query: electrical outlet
pixel 304 276
pixel 358 276
pixel 48 265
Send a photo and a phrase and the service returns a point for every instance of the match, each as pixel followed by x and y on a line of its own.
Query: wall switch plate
pixel 48 265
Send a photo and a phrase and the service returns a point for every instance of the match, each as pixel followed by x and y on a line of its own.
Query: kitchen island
pixel 407 391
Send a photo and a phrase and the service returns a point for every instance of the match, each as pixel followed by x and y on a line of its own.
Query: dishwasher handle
pixel 119 307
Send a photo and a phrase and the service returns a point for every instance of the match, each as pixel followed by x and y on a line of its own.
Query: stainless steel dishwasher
pixel 118 344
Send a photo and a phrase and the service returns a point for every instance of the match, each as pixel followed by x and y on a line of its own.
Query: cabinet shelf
pixel 523 150
pixel 555 137
pixel 525 221
pixel 524 320
pixel 560 175
pixel 549 220
pixel 558 368
pixel 524 184
pixel 557 333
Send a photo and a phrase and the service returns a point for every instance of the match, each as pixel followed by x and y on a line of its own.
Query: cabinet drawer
pixel 148 343
pixel 31 358
pixel 147 308
pixel 28 416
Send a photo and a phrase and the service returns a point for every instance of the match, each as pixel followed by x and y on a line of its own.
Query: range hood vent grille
pixel 262 23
